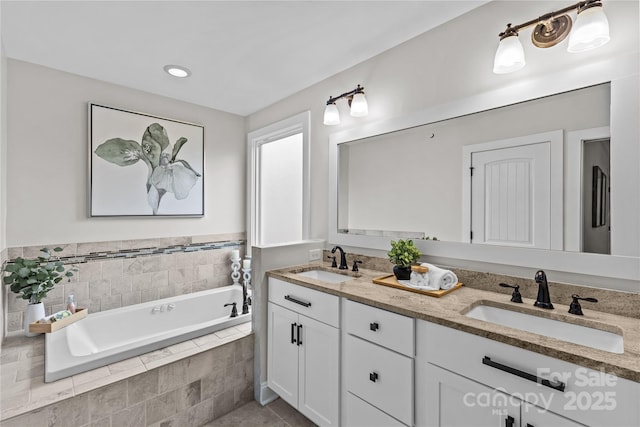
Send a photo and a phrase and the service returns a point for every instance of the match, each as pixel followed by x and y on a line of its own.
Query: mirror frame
pixel 623 74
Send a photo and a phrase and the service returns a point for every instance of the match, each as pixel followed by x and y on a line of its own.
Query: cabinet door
pixel 446 399
pixel 319 371
pixel 532 416
pixel 282 357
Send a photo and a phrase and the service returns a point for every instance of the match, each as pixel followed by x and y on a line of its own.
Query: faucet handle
pixel 334 264
pixel 355 265
pixel 234 309
pixel 575 307
pixel 515 296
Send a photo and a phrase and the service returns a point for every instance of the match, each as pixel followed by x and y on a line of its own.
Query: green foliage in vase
pixel 403 253
pixel 32 279
pixel 166 173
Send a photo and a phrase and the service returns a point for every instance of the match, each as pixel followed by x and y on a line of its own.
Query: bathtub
pixel 110 336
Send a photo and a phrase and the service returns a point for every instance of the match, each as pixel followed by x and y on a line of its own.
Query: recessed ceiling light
pixel 177 70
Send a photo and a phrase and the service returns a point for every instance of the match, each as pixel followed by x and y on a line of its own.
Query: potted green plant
pixel 32 279
pixel 403 253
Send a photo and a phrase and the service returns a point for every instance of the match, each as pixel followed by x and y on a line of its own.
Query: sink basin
pixel 578 334
pixel 325 276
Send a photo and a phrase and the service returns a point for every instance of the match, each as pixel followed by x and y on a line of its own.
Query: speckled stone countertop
pixel 450 310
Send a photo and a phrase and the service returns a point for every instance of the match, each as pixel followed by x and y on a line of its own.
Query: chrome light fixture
pixel 357 103
pixel 591 30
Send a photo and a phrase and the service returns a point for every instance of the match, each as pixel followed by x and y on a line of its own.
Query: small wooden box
pixel 46 328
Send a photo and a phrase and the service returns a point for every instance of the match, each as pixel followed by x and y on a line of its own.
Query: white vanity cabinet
pixel 464 379
pixel 378 366
pixel 304 350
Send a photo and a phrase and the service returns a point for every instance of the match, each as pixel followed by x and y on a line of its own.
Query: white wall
pixel 3 144
pixel 448 63
pixel 47 183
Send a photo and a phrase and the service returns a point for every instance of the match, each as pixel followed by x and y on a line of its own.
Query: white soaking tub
pixel 110 336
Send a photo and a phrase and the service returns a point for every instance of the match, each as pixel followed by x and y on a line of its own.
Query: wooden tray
pixel 47 328
pixel 390 280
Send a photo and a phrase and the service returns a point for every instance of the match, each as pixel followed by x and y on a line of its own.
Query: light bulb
pixel 331 115
pixel 590 31
pixel 509 56
pixel 359 107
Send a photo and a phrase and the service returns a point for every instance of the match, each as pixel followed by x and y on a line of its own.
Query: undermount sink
pixel 325 276
pixel 571 332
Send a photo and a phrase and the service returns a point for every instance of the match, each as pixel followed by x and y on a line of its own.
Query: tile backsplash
pixel 121 273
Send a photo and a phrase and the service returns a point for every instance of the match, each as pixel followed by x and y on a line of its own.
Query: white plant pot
pixel 32 313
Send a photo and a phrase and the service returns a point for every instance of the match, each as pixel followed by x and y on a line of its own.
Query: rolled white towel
pixel 440 278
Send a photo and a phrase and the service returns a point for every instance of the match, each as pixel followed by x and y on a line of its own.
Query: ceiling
pixel 244 55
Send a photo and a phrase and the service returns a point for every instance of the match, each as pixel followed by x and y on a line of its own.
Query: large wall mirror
pixel 405 178
pixel 409 183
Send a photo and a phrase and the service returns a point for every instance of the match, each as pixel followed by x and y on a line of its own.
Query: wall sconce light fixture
pixel 591 30
pixel 357 103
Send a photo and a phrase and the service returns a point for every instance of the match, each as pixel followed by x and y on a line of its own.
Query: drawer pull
pixel 300 334
pixel 297 301
pixel 374 326
pixel 509 421
pixel 373 377
pixel 293 330
pixel 554 385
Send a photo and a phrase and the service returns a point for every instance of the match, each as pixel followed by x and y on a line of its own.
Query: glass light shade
pixel 331 115
pixel 509 56
pixel 590 31
pixel 359 107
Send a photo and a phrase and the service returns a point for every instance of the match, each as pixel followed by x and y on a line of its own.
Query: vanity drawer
pixel 360 414
pixel 380 377
pixel 589 397
pixel 311 303
pixel 382 327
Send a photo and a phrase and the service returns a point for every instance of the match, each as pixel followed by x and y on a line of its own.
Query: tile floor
pixel 276 414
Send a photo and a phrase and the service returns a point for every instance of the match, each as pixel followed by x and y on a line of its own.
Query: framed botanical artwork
pixel 143 165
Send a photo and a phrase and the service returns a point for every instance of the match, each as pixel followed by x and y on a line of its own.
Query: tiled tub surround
pixel 186 384
pixel 114 335
pixel 122 273
pixel 449 311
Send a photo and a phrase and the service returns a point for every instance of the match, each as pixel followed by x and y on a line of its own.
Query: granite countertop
pixel 449 311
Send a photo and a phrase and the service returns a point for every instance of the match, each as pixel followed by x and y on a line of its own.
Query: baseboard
pixel 266 394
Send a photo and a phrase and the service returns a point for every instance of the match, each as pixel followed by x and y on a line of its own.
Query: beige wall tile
pixel 131 298
pixel 132 266
pixel 121 285
pixel 142 387
pixel 188 396
pixel 107 400
pixel 89 247
pixel 172 376
pixel 160 279
pixel 36 418
pixel 147 295
pixel 161 407
pixel 141 281
pixel 110 302
pixel 79 289
pixel 134 416
pixel 70 412
pixel 89 271
pixel 99 289
pixel 112 269
pixel 157 263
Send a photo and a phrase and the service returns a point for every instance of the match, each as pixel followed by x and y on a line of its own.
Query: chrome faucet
pixel 343 258
pixel 544 299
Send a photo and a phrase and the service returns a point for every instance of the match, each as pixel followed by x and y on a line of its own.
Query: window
pixel 279 182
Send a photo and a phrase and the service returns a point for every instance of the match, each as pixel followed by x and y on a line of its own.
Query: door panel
pixel 282 364
pixel 511 196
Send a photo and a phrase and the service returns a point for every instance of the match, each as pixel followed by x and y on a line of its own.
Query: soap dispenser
pixel 71 303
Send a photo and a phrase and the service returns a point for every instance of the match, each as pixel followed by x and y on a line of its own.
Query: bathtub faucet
pixel 245 302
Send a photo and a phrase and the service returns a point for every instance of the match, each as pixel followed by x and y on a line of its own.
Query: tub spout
pixel 245 300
